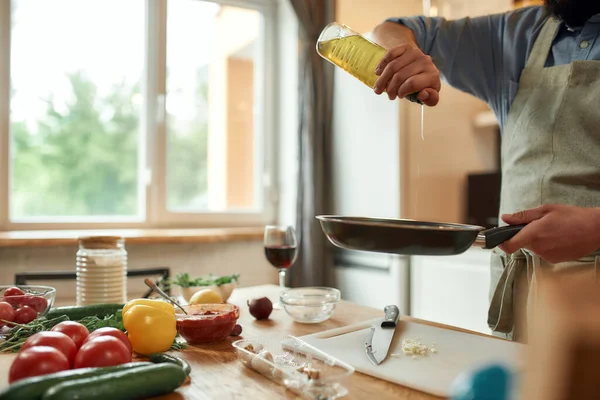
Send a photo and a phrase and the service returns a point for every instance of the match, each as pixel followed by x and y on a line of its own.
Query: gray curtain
pixel 314 150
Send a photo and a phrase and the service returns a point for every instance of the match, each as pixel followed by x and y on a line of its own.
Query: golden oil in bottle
pixel 353 53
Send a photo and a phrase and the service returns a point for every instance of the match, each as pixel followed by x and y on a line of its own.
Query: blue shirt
pixel 484 56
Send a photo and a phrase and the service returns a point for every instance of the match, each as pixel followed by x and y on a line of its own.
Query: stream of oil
pixel 417 182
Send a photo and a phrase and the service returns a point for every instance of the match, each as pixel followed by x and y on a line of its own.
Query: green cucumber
pixel 34 388
pixel 159 358
pixel 138 383
pixel 75 313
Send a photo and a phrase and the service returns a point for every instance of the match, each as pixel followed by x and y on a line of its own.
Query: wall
pixel 246 258
pixel 436 167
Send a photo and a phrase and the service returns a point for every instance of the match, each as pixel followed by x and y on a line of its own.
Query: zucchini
pixel 75 313
pixel 137 383
pixel 34 388
pixel 159 358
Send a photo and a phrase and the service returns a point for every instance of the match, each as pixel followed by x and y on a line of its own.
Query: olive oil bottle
pixel 353 53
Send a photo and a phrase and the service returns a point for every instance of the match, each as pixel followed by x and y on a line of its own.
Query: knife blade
pixel 379 338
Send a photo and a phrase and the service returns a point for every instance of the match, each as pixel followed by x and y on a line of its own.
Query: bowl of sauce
pixel 207 323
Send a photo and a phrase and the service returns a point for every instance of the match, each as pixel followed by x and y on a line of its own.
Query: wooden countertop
pixel 217 373
pixel 132 236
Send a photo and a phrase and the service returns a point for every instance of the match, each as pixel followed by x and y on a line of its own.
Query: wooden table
pixel 217 373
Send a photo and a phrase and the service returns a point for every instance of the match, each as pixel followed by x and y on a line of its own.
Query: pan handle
pixel 491 238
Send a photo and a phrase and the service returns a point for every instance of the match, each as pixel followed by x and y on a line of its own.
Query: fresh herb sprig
pixel 18 335
pixel 184 280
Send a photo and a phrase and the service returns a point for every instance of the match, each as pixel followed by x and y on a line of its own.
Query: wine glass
pixel 280 250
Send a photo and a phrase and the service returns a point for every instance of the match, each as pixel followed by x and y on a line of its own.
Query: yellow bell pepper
pixel 150 324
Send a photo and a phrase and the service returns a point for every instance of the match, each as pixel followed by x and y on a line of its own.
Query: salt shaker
pixel 101 270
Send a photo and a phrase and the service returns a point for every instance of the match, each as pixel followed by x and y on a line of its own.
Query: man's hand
pixel 405 70
pixel 556 233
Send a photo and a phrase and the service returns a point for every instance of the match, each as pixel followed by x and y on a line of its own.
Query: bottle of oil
pixel 353 53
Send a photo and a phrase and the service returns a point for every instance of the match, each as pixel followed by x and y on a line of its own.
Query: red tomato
pixel 76 331
pixel 25 315
pixel 13 291
pixel 111 332
pixel 14 301
pixel 7 313
pixel 38 303
pixel 35 361
pixel 102 351
pixel 57 340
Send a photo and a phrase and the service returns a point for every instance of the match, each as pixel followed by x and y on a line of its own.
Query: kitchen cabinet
pixel 452 290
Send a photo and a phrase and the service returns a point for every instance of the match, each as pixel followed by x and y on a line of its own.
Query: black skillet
pixel 404 236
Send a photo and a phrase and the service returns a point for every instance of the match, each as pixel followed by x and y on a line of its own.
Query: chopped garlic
pixel 414 348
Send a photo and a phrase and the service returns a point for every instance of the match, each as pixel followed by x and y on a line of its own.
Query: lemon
pixel 206 296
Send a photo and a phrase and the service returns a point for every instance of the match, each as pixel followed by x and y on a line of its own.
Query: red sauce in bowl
pixel 207 323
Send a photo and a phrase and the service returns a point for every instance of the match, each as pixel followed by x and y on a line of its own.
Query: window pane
pixel 213 95
pixel 76 69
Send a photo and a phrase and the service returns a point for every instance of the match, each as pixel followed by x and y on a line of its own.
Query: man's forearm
pixel 391 34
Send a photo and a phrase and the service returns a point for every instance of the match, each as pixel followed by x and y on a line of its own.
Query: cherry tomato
pixel 13 291
pixel 14 301
pixel 76 331
pixel 57 340
pixel 7 313
pixel 35 361
pixel 102 351
pixel 38 303
pixel 25 315
pixel 114 332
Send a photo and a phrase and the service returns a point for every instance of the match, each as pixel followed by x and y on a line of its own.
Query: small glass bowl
pixel 310 305
pixel 40 298
pixel 206 323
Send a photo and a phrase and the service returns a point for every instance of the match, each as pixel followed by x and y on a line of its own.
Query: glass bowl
pixel 291 362
pixel 36 297
pixel 206 323
pixel 310 305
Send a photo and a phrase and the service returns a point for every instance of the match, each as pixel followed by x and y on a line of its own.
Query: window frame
pixel 153 134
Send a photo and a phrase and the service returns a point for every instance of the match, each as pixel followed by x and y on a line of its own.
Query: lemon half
pixel 206 296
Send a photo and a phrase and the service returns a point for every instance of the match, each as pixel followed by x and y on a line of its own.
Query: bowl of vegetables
pixel 223 285
pixel 24 303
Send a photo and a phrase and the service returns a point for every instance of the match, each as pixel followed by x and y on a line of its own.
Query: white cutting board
pixel 434 373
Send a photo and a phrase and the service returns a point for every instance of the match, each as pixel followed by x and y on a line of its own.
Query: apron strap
pixel 500 314
pixel 543 44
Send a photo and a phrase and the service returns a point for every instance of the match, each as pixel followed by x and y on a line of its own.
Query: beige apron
pixel 550 155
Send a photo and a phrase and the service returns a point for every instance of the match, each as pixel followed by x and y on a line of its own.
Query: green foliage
pixel 184 280
pixel 82 159
pixel 187 155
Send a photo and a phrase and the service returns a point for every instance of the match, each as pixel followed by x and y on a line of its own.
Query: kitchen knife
pixel 380 337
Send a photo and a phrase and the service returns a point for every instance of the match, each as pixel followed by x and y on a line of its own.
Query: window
pixel 136 113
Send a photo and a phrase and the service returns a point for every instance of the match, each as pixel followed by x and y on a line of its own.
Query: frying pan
pixel 410 237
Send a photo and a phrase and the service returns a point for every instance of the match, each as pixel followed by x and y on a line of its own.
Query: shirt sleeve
pixel 482 56
pixel 467 51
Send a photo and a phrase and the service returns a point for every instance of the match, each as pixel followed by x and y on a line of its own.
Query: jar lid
pixel 101 242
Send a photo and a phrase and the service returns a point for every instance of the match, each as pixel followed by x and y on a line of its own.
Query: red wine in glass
pixel 280 250
pixel 281 256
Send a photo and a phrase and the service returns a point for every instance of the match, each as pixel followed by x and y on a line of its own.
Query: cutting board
pixel 433 373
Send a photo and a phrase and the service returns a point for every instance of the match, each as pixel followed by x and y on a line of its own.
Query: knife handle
pixel 391 317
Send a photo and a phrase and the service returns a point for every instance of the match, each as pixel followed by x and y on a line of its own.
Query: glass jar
pixel 101 270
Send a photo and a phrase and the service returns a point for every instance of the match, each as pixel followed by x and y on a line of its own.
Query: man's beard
pixel 573 12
